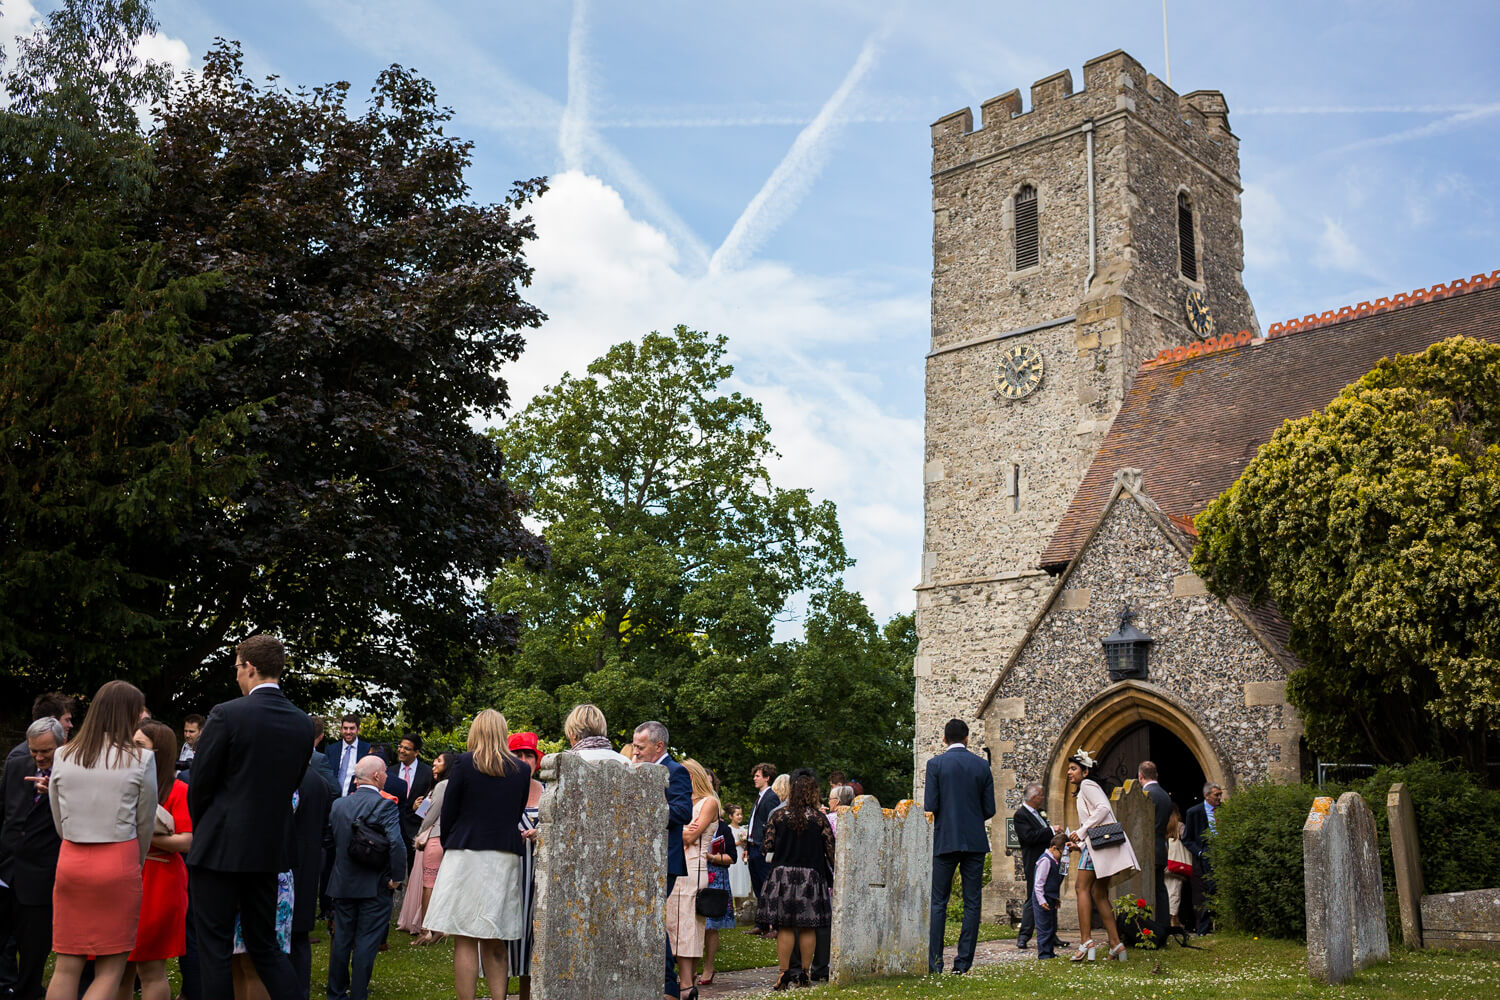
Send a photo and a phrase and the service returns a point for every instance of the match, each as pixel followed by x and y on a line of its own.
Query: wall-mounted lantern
pixel 1126 650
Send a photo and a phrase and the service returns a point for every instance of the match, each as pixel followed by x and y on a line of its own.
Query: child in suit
pixel 1049 876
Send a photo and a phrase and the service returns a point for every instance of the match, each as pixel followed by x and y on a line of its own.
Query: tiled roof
pixel 1195 416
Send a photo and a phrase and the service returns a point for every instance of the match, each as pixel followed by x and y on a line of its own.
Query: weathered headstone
pixel 882 879
pixel 1137 815
pixel 601 876
pixel 1328 877
pixel 1371 941
pixel 1462 920
pixel 1406 858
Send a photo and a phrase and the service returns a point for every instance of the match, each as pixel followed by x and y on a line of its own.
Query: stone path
pixel 758 982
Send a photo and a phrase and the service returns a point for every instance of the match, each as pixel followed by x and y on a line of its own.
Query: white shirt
pixel 265 684
pixel 950 746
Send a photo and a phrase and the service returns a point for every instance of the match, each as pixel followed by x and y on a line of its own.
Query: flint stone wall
pixel 882 876
pixel 1328 878
pixel 601 876
pixel 1371 940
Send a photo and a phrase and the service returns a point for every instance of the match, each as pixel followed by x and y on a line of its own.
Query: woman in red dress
pixel 162 931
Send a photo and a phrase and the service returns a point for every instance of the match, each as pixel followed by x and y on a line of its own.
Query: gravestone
pixel 601 876
pixel 1406 858
pixel 1462 920
pixel 882 880
pixel 1137 815
pixel 1371 941
pixel 1328 878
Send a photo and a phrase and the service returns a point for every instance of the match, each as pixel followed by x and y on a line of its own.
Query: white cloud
pixel 806 347
pixel 17 19
pixel 1337 251
pixel 160 48
pixel 1264 222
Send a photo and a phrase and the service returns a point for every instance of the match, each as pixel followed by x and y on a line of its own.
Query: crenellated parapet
pixel 1114 85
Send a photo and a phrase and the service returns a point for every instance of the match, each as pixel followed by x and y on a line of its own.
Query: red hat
pixel 524 741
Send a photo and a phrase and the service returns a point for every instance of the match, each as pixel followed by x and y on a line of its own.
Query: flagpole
pixel 1165 46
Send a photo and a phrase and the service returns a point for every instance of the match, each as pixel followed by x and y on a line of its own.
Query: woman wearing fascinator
pixel 1105 853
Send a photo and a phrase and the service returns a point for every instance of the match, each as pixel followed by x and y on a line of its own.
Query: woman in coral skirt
pixel 162 931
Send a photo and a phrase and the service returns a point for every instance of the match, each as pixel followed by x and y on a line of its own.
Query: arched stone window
pixel 1187 242
pixel 1028 236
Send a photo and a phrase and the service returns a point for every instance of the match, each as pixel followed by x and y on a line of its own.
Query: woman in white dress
pixel 739 872
pixel 1096 866
pixel 478 897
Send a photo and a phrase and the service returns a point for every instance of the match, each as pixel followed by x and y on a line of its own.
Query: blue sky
pixel 761 170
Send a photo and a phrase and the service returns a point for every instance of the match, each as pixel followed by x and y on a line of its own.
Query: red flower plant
pixel 1140 902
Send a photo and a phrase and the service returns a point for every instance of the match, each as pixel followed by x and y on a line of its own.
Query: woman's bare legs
pixel 1106 912
pixel 786 937
pixel 154 985
pixel 465 967
pixel 496 966
pixel 65 976
pixel 1083 891
pixel 247 979
pixel 710 949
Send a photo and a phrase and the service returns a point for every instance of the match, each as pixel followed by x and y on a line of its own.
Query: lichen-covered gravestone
pixel 882 880
pixel 1406 859
pixel 1328 881
pixel 1371 941
pixel 601 875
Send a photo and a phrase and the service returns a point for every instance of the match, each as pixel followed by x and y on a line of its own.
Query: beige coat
pixel 1094 810
pixel 112 801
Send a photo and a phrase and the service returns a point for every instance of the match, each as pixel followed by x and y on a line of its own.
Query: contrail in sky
pixel 575 117
pixel 778 198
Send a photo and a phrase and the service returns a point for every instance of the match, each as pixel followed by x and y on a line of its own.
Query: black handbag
pixel 1105 835
pixel 710 901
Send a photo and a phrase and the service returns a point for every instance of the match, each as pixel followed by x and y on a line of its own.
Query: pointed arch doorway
pixel 1125 724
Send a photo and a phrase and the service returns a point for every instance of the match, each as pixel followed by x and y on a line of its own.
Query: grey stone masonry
pixel 1371 940
pixel 1462 920
pixel 1328 877
pixel 601 876
pixel 1406 858
pixel 882 876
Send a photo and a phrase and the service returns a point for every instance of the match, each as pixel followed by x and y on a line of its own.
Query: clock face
pixel 1020 372
pixel 1200 320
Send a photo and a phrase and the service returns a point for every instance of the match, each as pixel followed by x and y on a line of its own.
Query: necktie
pixel 348 767
pixel 43 773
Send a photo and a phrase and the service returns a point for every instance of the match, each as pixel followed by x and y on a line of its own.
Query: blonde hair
pixel 488 739
pixel 703 785
pixel 585 720
pixel 782 786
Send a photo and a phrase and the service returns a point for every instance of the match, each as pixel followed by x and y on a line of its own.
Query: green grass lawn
pixel 1228 967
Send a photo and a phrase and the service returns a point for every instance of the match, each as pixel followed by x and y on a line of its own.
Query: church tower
pixel 1071 242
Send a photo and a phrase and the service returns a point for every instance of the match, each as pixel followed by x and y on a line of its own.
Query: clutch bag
pixel 1106 835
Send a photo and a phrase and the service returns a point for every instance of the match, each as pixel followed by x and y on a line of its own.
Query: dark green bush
pixel 1257 852
pixel 1257 859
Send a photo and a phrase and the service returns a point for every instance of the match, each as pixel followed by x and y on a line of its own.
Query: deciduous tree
pixel 1374 524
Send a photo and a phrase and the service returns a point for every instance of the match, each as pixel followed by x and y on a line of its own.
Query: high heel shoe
pixel 804 980
pixel 787 979
pixel 1117 953
pixel 1085 950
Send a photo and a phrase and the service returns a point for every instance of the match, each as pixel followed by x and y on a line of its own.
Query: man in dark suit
pixel 755 857
pixel 361 895
pixel 961 796
pixel 1035 834
pixel 1146 773
pixel 346 752
pixel 29 846
pixel 650 747
pixel 417 776
pixel 309 825
pixel 250 759
pixel 1196 826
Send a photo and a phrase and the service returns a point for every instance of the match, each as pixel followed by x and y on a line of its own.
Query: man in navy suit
pixel 1200 821
pixel 1146 773
pixel 250 759
pixel 309 824
pixel 766 800
pixel 346 752
pixel 361 895
pixel 650 746
pixel 961 796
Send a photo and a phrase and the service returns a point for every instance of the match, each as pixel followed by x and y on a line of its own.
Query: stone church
pixel 1096 376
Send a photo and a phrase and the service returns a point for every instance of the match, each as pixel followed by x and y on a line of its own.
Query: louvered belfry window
pixel 1028 240
pixel 1187 246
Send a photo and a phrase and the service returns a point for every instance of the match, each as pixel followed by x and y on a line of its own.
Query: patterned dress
pixel 520 951
pixel 284 900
